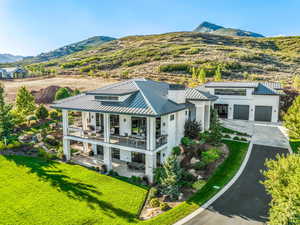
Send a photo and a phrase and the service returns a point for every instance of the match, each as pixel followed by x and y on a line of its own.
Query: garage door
pixel 263 113
pixel 241 112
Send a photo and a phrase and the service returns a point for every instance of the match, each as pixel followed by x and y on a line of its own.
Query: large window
pixel 138 126
pixel 106 98
pixel 240 92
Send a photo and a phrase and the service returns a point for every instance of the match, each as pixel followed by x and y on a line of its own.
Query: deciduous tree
pixel 292 119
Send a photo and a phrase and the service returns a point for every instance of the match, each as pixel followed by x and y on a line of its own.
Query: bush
pixel 62 93
pixel 41 112
pixel 154 202
pixel 186 141
pixel 158 174
pixel 199 165
pixel 236 138
pixel 2 146
pixel 164 206
pixel 188 177
pixel 192 129
pixel 176 151
pixel 54 115
pixel 210 155
pixel 175 68
pixel 227 136
pixel 152 193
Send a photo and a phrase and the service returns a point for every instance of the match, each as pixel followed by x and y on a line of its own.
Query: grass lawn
pixel 221 177
pixel 33 191
pixel 295 144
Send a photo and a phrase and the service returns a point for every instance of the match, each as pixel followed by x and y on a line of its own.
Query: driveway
pixel 245 202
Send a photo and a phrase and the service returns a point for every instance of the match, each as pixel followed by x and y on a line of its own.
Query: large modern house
pixel 140 121
pixel 12 72
pixel 254 101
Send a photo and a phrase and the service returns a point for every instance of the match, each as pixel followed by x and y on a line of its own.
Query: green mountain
pixel 8 58
pixel 171 56
pixel 208 27
pixel 69 49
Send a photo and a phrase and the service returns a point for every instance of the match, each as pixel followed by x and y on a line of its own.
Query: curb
pixel 221 192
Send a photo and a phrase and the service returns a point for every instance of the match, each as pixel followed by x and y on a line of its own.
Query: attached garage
pixel 263 113
pixel 241 112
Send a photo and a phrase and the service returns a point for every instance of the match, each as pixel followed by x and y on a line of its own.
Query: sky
pixel 29 27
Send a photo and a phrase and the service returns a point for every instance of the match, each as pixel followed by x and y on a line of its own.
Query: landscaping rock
pixel 25 138
pixel 199 177
pixel 39 137
pixel 49 136
pixel 165 198
pixel 180 198
pixel 193 172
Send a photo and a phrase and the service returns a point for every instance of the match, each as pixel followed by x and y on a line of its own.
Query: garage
pixel 263 113
pixel 241 112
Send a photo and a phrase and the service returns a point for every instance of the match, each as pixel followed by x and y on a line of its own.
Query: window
pixel 138 126
pixel 172 117
pixel 240 92
pixel 115 153
pixel 106 98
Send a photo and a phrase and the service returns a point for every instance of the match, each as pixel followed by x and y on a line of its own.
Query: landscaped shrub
pixel 182 67
pixel 41 112
pixel 199 165
pixel 188 177
pixel 54 115
pixel 152 193
pixel 176 150
pixel 210 155
pixel 158 174
pixel 154 202
pixel 2 146
pixel 186 141
pixel 227 136
pixel 243 139
pixel 62 93
pixel 215 129
pixel 192 129
pixel 164 206
pixel 236 138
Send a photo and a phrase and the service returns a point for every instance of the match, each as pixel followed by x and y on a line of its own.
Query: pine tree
pixel 215 128
pixel 194 73
pixel 25 102
pixel 6 119
pixel 296 83
pixel 218 73
pixel 172 174
pixel 292 119
pixel 202 76
pixel 41 112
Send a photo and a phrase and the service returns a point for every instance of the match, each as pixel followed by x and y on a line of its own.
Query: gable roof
pixel 196 94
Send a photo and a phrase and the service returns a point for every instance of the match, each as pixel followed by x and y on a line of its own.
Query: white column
pixel 106 125
pixel 66 148
pixel 251 113
pixel 150 165
pixel 208 121
pixel 65 122
pixel 85 147
pixel 230 111
pixel 84 117
pixel 107 157
pixel 94 147
pixel 151 134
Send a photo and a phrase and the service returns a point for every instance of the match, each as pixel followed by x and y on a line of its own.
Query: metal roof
pixel 196 94
pixel 231 84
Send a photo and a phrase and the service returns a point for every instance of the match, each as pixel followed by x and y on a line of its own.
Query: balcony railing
pixel 79 132
pixel 162 140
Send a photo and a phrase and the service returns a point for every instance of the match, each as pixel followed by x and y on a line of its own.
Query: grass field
pixel 295 144
pixel 36 192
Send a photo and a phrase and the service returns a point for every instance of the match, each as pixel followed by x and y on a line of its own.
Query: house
pixel 12 72
pixel 135 121
pixel 254 101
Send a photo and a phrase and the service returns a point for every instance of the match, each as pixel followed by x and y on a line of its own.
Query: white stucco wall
pixel 125 155
pixel 125 124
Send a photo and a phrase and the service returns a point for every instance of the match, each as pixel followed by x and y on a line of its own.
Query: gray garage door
pixel 263 113
pixel 241 112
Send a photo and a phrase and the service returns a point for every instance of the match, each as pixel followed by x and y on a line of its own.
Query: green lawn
pixel 33 191
pixel 221 177
pixel 295 144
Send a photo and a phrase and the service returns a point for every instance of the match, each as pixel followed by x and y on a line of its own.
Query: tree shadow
pixel 48 171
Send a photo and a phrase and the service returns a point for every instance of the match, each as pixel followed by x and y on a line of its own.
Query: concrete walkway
pixel 245 202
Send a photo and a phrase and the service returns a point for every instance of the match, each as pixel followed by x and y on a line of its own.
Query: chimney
pixel 176 93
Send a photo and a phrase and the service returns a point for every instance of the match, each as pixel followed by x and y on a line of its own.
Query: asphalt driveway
pixel 246 201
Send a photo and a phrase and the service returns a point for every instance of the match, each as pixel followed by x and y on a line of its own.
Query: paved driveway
pixel 245 202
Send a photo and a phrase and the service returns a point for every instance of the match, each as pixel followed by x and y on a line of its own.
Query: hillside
pixel 69 49
pixel 9 58
pixel 171 56
pixel 208 27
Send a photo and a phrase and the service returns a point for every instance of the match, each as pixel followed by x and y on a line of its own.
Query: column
pixel 94 147
pixel 150 165
pixel 209 113
pixel 85 147
pixel 66 148
pixel 106 125
pixel 107 157
pixel 151 133
pixel 65 122
pixel 200 115
pixel 230 111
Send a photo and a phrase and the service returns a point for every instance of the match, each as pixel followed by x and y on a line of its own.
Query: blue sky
pixel 29 27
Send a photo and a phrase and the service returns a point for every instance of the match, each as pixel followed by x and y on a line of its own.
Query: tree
pixel 215 128
pixel 25 102
pixel 41 112
pixel 62 93
pixel 6 118
pixel 283 184
pixel 218 73
pixel 194 73
pixel 296 83
pixel 192 129
pixel 292 119
pixel 202 76
pixel 171 176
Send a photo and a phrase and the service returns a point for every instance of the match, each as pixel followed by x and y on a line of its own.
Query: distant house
pixel 12 72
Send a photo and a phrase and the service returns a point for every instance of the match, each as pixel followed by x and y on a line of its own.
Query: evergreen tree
pixel 218 73
pixel 215 128
pixel 6 119
pixel 25 102
pixel 296 83
pixel 292 119
pixel 62 93
pixel 202 76
pixel 171 176
pixel 283 185
pixel 194 73
pixel 41 112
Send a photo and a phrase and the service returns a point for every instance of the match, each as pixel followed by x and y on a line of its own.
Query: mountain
pixel 171 56
pixel 208 27
pixel 8 58
pixel 69 49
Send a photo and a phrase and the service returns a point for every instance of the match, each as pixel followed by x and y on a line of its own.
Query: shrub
pixel 210 155
pixel 176 150
pixel 192 129
pixel 164 206
pixel 186 141
pixel 152 193
pixel 292 119
pixel 2 146
pixel 62 93
pixel 158 174
pixel 175 68
pixel 227 136
pixel 236 138
pixel 154 202
pixel 199 165
pixel 54 115
pixel 188 177
pixel 41 112
pixel 243 139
